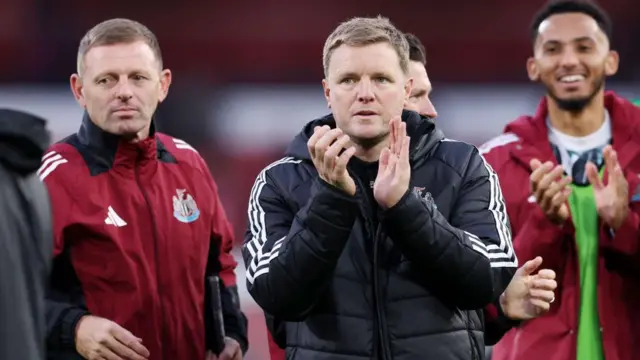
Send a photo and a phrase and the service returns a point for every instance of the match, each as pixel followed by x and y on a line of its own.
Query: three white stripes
pixel 260 260
pixel 50 161
pixel 180 144
pixel 501 255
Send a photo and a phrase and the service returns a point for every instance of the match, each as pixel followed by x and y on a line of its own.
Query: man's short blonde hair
pixel 362 31
pixel 117 31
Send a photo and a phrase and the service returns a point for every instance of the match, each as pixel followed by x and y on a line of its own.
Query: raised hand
pixel 612 200
pixel 529 295
pixel 325 147
pixel 394 170
pixel 550 190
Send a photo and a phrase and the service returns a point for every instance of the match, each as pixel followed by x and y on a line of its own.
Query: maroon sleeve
pixel 62 313
pixel 54 165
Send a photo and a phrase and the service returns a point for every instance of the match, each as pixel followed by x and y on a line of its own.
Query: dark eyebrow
pixel 348 75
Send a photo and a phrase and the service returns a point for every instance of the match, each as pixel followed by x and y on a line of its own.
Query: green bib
pixel 585 220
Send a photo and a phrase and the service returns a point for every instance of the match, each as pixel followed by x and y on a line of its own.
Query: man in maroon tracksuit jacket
pixel 569 175
pixel 138 224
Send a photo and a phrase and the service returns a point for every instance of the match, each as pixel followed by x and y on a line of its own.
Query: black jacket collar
pixel 110 151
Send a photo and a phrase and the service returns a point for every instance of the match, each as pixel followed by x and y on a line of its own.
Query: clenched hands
pixel 612 200
pixel 394 170
pixel 529 295
pixel 325 147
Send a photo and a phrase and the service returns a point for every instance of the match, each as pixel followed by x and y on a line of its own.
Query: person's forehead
pixel 418 72
pixel 568 27
pixel 136 53
pixel 374 57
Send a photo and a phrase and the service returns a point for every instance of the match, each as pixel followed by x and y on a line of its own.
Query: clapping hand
pixel 325 147
pixel 612 200
pixel 394 170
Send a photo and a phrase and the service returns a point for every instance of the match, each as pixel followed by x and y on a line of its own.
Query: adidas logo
pixel 114 219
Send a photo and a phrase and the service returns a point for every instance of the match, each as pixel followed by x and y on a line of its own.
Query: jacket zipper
pixel 156 258
pixel 379 318
pixel 382 323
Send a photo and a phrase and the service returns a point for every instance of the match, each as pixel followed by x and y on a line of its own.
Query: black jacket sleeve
pixel 496 323
pixel 62 318
pixel 468 260
pixel 290 257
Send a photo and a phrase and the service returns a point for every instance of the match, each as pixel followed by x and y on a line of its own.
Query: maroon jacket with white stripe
pixel 137 229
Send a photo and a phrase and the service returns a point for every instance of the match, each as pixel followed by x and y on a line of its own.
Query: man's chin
pixel 369 140
pixel 128 128
pixel 574 103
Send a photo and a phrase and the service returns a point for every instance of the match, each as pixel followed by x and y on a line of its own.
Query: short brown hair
pixel 417 52
pixel 118 31
pixel 366 31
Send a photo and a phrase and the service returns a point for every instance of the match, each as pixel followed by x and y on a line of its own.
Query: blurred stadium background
pixel 247 73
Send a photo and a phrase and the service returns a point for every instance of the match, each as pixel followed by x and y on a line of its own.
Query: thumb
pixel 530 266
pixel 592 176
pixel 535 164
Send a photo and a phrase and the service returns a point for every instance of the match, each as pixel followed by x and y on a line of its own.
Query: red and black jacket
pixel 138 227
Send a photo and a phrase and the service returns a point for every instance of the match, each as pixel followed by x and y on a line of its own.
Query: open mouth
pixel 571 79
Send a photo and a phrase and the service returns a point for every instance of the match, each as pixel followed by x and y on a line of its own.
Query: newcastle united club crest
pixel 185 208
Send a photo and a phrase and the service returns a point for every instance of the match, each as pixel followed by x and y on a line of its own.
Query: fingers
pixel 540 294
pixel 103 352
pixel 530 266
pixel 616 175
pixel 539 171
pixel 123 350
pixel 342 161
pixel 535 164
pixel 541 305
pixel 546 194
pixel 610 157
pixel 548 178
pixel 318 132
pixel 404 152
pixel 546 274
pixel 331 154
pixel 544 284
pixel 561 197
pixel 384 160
pixel 132 343
pixel 393 163
pixel 592 176
pixel 392 135
pixel 322 144
pixel 230 352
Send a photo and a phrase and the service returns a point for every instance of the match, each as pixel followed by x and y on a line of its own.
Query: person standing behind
pixel 138 224
pixel 570 181
pixel 25 236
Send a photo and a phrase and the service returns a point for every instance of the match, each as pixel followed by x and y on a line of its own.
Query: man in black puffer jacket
pixel 368 259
